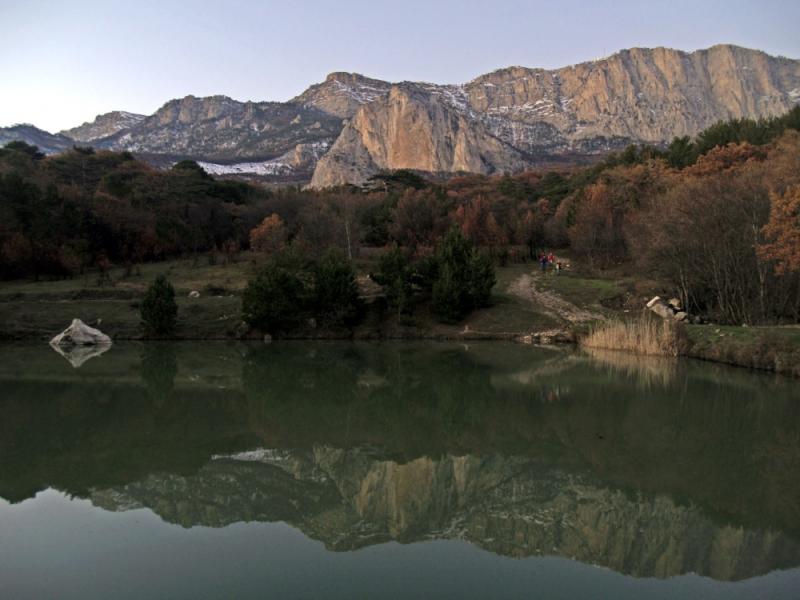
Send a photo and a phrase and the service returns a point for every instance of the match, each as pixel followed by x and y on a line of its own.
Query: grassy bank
pixel 39 310
pixel 769 348
pixel 524 303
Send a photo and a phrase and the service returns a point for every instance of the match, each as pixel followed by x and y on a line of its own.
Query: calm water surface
pixel 306 470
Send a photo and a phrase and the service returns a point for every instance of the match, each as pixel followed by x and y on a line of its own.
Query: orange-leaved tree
pixel 270 236
pixel 782 231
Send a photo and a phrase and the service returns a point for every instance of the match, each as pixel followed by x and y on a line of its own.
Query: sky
pixel 64 62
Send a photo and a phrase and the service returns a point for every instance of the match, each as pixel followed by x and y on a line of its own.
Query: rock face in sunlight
pixel 415 126
pixel 80 334
pixel 506 120
pixel 514 116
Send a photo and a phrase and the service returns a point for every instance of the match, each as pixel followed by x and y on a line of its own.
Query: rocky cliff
pixel 502 121
pixel 415 126
pixel 342 94
pixel 222 129
pixel 637 95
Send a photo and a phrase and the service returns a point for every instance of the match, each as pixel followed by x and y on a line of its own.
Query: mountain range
pixel 348 127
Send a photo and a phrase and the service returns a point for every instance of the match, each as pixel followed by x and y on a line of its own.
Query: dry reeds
pixel 642 336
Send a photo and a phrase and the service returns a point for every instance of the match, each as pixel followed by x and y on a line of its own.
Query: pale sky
pixel 64 62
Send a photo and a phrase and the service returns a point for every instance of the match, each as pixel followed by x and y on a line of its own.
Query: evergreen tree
pixel 335 300
pixel 395 275
pixel 159 311
pixel 464 278
pixel 274 300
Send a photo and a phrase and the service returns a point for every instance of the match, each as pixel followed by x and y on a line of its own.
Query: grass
pixel 646 336
pixel 184 274
pixel 583 292
pixel 39 310
pixel 768 348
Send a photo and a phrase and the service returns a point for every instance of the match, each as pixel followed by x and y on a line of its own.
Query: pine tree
pixel 159 311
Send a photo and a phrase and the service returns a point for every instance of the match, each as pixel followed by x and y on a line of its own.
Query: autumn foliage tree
pixel 782 231
pixel 270 236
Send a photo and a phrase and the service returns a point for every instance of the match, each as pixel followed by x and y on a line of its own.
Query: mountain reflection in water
pixel 649 467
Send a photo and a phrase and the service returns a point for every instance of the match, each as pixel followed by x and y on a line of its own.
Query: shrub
pixel 335 300
pixel 274 300
pixel 395 275
pixel 158 308
pixel 464 279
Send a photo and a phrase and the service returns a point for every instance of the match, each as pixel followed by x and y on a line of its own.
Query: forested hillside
pixel 716 217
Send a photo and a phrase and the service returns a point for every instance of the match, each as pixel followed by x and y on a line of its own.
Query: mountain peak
pixel 104 125
pixel 342 93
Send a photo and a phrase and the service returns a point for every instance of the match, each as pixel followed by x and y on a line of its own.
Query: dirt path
pixel 549 302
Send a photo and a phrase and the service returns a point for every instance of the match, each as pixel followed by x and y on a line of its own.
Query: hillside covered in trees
pixel 717 218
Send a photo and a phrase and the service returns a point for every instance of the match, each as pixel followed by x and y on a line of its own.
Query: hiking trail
pixel 549 302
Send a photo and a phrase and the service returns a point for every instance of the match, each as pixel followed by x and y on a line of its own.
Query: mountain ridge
pixel 505 120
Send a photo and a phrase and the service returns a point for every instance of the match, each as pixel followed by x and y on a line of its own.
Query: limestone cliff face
pixel 640 94
pixel 508 505
pixel 508 118
pixel 417 127
pixel 504 120
pixel 342 94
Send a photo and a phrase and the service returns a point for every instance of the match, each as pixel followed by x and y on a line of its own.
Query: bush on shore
pixel 159 310
pixel 292 288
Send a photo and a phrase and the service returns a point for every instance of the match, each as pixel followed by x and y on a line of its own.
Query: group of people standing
pixel 548 260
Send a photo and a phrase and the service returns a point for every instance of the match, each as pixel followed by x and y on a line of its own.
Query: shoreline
pixel 757 354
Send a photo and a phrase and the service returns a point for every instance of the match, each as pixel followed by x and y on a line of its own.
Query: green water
pixel 342 470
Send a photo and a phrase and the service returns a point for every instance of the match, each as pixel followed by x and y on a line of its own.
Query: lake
pixel 358 470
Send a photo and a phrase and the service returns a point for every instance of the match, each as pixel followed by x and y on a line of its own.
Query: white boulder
pixel 80 334
pixel 661 308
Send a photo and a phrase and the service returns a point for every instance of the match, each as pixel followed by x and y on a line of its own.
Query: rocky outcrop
pixel 218 128
pixel 104 126
pixel 342 94
pixel 671 310
pixel 80 334
pixel 638 95
pixel 418 127
pixel 504 120
pixel 641 94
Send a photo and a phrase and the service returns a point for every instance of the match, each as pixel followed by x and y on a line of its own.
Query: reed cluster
pixel 642 336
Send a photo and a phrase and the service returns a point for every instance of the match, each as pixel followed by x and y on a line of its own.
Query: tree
pixel 190 167
pixel 29 149
pixel 418 219
pixel 158 309
pixel 782 232
pixel 464 278
pixel 395 274
pixel 681 152
pixel 335 300
pixel 274 301
pixel 478 223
